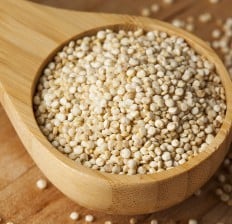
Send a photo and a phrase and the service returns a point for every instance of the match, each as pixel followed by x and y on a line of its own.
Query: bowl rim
pixel 202 48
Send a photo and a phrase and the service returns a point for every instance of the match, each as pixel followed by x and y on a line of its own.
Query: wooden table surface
pixel 20 200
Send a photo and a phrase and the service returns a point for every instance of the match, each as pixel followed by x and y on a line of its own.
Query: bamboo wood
pixel 29 35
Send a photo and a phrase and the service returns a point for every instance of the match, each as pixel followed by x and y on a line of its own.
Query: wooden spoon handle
pixel 29 32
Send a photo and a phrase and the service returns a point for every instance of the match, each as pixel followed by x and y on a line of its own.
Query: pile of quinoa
pixel 129 102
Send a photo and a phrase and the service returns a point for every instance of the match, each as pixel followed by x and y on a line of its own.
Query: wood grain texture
pixel 27 205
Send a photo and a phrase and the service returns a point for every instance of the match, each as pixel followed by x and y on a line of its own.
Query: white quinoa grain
pixel 189 27
pixel 89 218
pixel 78 150
pixel 221 178
pixel 100 162
pixel 195 110
pixel 145 12
pixel 125 153
pixel 225 197
pixel 216 108
pixel 159 123
pixel 227 188
pixel 168 1
pixel 175 142
pixel 41 184
pixel 178 23
pixel 108 222
pixel 133 221
pixel 192 221
pixel 155 8
pixel 209 138
pixel 101 34
pixel 214 1
pixel 74 215
pixel 154 221
pixel 219 191
pixel 151 131
pixel 166 156
pixel 179 91
pixel 205 17
pixel 171 126
pixel 169 102
pixel 216 33
pixel 132 164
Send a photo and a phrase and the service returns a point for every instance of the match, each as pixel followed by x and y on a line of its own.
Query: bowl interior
pixel 201 48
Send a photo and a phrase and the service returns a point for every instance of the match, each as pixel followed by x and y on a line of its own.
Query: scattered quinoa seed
pixel 108 222
pixel 189 27
pixel 221 178
pixel 145 12
pixel 155 8
pixel 225 197
pixel 178 23
pixel 216 33
pixel 205 17
pixel 192 221
pixel 74 215
pixel 168 1
pixel 154 221
pixel 214 1
pixel 89 218
pixel 223 43
pixel 41 184
pixel 133 221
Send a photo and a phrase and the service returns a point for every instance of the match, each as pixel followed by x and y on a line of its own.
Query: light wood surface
pixel 14 99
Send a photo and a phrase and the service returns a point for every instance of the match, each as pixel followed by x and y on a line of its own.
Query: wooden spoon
pixel 29 36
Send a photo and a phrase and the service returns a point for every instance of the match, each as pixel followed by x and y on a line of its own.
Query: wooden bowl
pixel 28 34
